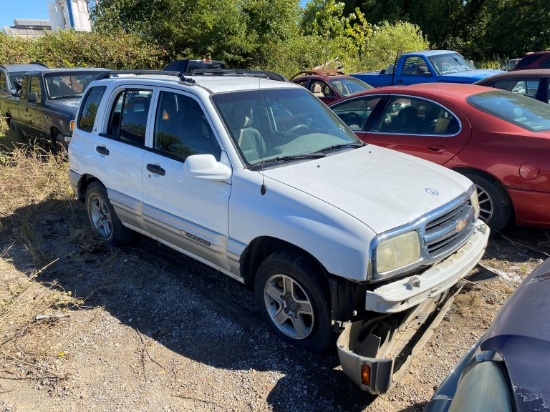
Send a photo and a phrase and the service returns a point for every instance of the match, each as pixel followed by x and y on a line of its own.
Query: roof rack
pixel 238 72
pixel 116 73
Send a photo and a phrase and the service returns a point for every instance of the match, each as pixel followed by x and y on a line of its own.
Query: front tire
pixel 494 204
pixel 103 218
pixel 59 145
pixel 293 298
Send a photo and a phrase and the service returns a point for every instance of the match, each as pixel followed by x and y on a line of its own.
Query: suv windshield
pixel 282 125
pixel 527 113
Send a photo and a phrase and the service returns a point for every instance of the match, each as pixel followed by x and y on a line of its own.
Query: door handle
pixel 102 149
pixel 400 81
pixel 437 148
pixel 156 169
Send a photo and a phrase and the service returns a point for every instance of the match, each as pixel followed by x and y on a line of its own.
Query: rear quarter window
pixel 88 110
pixel 525 112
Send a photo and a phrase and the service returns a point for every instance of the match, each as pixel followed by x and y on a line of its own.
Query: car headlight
pixel 397 252
pixel 475 203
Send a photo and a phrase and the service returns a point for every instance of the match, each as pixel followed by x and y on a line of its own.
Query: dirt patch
pixel 87 327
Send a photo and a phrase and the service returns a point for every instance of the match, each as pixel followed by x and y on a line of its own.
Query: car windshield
pixel 527 113
pixel 281 125
pixel 349 85
pixel 69 84
pixel 450 63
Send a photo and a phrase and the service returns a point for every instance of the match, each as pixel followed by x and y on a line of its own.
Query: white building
pixel 28 28
pixel 69 14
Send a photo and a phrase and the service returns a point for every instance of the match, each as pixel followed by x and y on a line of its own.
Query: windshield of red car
pixel 527 113
pixel 349 85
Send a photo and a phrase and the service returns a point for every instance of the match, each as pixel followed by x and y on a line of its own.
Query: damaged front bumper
pixel 374 352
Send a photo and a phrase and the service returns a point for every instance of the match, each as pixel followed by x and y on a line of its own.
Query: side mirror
pixel 205 166
pixel 32 97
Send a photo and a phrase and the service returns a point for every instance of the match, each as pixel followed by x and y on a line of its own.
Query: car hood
pixel 468 76
pixel 68 106
pixel 382 188
pixel 521 334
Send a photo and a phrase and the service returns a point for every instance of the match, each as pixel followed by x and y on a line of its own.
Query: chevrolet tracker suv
pixel 261 181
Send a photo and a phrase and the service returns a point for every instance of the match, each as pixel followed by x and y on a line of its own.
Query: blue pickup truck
pixel 426 66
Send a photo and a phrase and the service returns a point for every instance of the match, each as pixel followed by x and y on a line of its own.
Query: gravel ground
pixel 144 328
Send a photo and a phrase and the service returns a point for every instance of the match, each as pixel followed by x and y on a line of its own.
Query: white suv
pixel 260 180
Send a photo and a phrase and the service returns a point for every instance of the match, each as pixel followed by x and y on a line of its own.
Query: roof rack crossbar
pixel 115 73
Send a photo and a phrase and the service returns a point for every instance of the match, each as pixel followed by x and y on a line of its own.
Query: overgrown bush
pixel 79 49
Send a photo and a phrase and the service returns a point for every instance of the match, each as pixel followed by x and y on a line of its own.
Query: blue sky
pixel 23 9
pixel 32 9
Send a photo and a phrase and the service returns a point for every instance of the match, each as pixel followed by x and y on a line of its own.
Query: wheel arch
pixel 345 295
pixel 85 181
pixel 494 180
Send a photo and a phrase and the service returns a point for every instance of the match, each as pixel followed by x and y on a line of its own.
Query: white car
pixel 260 180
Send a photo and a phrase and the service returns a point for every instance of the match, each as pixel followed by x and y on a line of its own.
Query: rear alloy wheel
pixel 293 300
pixel 103 218
pixel 495 208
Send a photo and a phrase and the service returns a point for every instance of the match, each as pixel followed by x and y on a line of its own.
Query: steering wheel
pixel 353 118
pixel 298 129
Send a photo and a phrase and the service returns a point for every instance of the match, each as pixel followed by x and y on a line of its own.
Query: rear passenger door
pixel 186 211
pixel 119 149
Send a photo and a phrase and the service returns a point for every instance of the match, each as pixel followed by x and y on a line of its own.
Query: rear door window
pixel 129 114
pixel 88 110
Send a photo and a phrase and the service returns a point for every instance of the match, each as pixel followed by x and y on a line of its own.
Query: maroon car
pixel 534 83
pixel 534 60
pixel 500 140
pixel 329 85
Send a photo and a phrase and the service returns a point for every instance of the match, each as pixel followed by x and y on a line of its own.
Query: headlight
pixel 397 252
pixel 475 203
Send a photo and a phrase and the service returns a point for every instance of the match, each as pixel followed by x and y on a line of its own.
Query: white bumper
pixel 410 291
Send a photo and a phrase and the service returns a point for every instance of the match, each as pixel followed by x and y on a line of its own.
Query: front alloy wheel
pixel 289 306
pixel 293 297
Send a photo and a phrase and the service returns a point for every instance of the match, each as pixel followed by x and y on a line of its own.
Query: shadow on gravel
pixel 191 309
pixel 182 304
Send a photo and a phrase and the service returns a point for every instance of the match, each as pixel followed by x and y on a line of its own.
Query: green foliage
pixel 78 49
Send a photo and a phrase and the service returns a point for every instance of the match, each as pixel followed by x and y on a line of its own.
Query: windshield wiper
pixel 340 146
pixel 67 96
pixel 314 155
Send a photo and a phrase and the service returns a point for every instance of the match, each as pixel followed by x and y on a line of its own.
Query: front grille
pixel 446 233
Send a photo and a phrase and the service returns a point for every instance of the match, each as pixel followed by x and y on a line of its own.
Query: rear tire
pixel 494 203
pixel 293 298
pixel 103 218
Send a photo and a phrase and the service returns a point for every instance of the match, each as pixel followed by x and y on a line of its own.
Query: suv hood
pixel 382 188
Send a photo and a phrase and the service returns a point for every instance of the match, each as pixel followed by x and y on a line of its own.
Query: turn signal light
pixel 365 375
pixel 71 125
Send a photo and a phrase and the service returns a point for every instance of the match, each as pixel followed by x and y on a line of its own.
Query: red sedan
pixel 500 140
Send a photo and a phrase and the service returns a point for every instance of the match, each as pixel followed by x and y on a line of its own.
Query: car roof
pixel 430 52
pixel 446 90
pixel 212 83
pixel 517 73
pixel 521 334
pixel 23 67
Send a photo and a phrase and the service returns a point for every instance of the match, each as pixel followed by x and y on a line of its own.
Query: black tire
pixel 15 129
pixel 59 145
pixel 293 298
pixel 494 203
pixel 103 218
